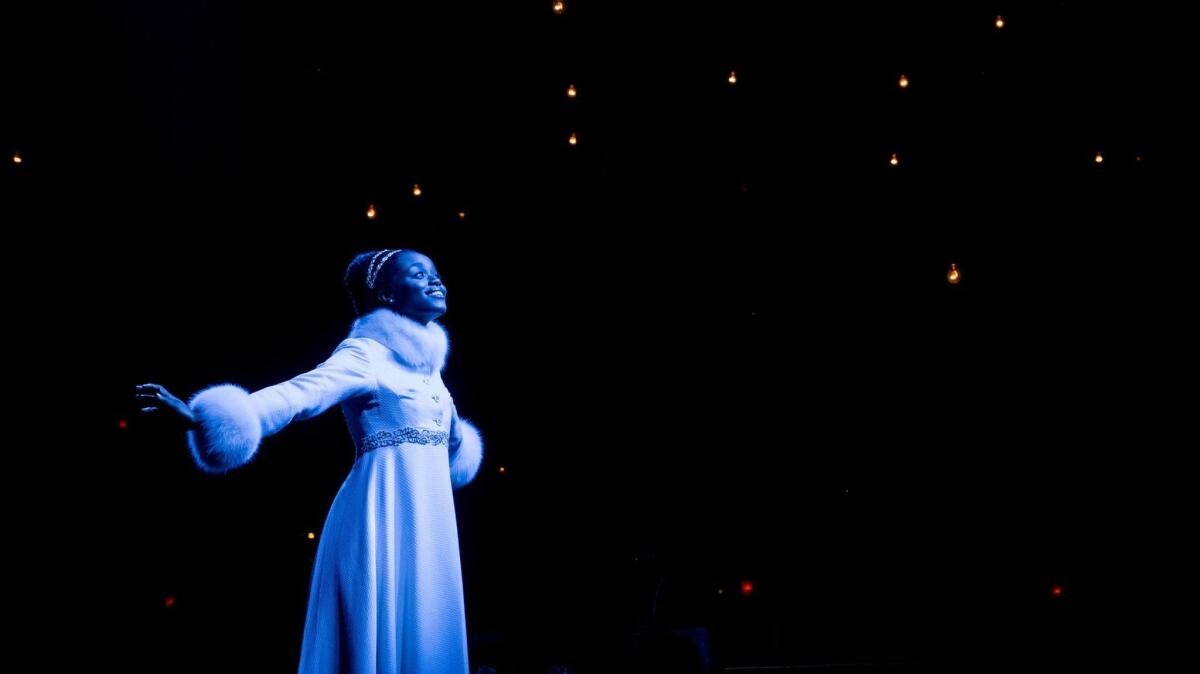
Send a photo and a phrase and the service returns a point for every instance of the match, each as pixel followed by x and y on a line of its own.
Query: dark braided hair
pixel 363 298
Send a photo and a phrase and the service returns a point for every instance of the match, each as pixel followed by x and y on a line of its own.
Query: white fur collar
pixel 420 347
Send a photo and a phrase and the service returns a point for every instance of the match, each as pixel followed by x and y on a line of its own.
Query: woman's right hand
pixel 154 398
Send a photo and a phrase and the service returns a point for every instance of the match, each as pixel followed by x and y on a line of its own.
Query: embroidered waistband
pixel 408 434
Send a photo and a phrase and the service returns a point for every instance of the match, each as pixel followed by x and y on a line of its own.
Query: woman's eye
pixel 420 274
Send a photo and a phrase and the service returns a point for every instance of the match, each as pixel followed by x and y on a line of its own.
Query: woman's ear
pixel 385 298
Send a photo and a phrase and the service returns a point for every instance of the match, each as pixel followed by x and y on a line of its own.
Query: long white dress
pixel 386 592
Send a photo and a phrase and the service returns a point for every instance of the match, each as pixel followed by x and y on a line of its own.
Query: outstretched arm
pixel 228 422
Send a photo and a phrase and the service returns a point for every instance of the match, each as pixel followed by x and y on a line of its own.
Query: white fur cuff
pixel 465 461
pixel 229 429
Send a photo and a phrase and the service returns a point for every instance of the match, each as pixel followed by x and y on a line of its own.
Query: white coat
pixel 386 592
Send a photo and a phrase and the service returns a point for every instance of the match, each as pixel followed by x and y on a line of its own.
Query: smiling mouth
pixel 437 293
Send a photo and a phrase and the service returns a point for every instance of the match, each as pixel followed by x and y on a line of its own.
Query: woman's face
pixel 416 288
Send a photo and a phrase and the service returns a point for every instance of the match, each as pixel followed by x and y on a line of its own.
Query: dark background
pixel 711 343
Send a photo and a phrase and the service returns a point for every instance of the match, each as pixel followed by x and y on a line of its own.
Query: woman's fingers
pixel 154 392
pixel 155 398
pixel 149 392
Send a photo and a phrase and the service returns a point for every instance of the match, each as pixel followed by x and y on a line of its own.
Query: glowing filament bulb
pixel 573 140
pixel 570 91
pixel 16 157
pixel 953 276
pixel 416 190
pixel 371 212
pixel 311 536
pixel 462 215
pixel 733 77
pixel 999 22
pixel 1099 158
pixel 894 160
pixel 559 7
pixel 903 81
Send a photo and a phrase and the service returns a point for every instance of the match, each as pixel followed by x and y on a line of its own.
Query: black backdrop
pixel 712 342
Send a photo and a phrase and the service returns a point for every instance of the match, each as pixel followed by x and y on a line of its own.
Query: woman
pixel 386 590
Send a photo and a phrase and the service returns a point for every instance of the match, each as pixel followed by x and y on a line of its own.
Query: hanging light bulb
pixel 416 190
pixel 371 212
pixel 903 81
pixel 573 140
pixel 16 157
pixel 733 77
pixel 559 7
pixel 1099 157
pixel 311 536
pixel 999 22
pixel 894 161
pixel 570 91
pixel 953 276
pixel 462 215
